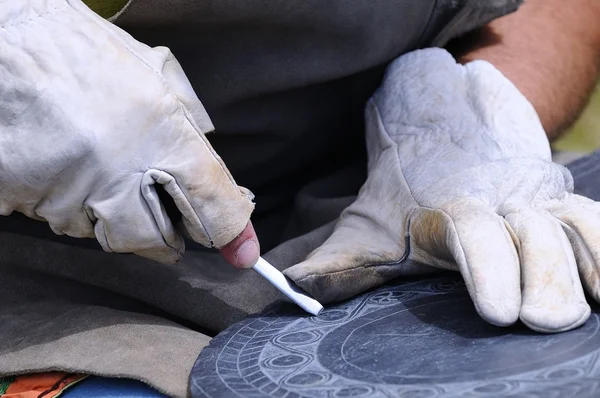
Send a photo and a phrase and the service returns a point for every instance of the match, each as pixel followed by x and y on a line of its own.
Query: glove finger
pixel 127 223
pixel 64 219
pixel 486 256
pixel 180 85
pixel 367 248
pixel 348 263
pixel 369 243
pixel 582 227
pixel 553 299
pixel 214 208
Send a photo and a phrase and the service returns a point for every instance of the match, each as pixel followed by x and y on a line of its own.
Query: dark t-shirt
pixel 285 82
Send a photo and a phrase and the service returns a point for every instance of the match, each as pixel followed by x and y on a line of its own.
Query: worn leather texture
pixel 461 178
pixel 95 168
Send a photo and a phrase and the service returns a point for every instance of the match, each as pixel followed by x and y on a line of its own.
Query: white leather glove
pixel 461 178
pixel 91 121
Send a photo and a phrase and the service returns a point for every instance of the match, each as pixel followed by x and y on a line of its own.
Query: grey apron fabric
pixel 285 83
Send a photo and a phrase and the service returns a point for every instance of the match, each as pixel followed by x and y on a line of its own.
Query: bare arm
pixel 550 49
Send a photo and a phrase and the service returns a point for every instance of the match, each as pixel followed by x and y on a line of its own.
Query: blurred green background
pixel 106 8
pixel 584 136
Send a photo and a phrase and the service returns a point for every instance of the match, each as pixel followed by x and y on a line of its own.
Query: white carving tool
pixel 287 287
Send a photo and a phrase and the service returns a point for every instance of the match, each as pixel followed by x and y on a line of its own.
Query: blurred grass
pixel 106 8
pixel 584 136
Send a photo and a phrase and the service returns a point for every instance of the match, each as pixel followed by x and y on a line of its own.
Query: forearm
pixel 550 49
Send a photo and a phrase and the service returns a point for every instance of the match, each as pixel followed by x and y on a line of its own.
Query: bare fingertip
pixel 247 254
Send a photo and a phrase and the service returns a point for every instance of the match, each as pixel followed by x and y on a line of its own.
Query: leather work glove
pixel 461 178
pixel 92 122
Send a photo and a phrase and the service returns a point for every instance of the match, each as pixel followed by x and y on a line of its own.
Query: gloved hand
pixel 461 178
pixel 92 122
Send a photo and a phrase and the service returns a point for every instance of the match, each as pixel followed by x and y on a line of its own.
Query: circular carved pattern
pixel 493 389
pixel 361 391
pixel 418 339
pixel 447 286
pixel 565 374
pixel 307 379
pixel 421 393
pixel 391 297
pixel 285 361
pixel 330 316
pixel 298 338
pixel 422 326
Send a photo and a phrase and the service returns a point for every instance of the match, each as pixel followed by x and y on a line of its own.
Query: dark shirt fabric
pixel 286 82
